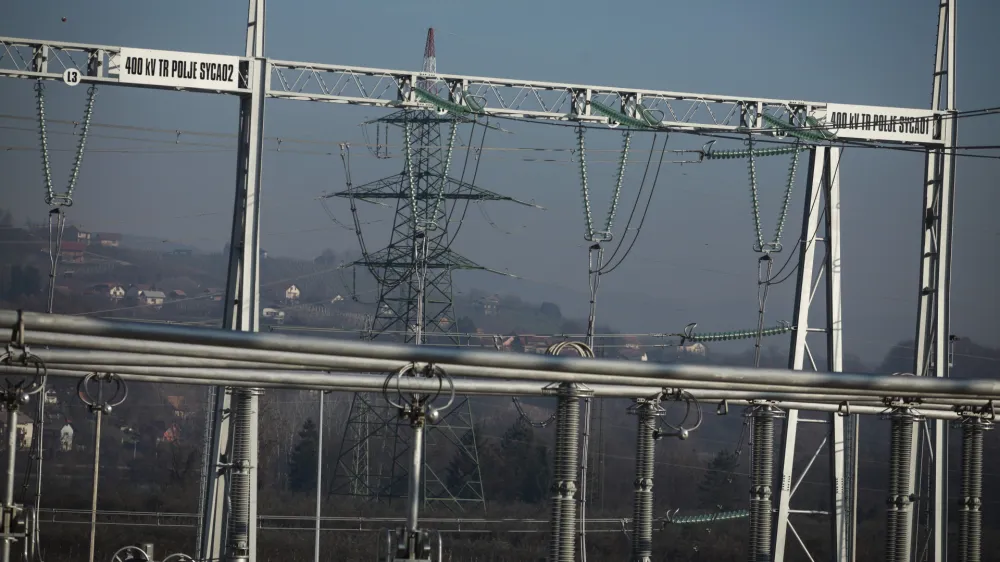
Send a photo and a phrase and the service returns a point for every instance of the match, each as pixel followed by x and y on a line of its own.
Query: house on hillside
pixel 152 298
pixel 177 294
pixel 631 349
pixel 292 294
pixel 109 239
pixel 693 349
pixel 134 292
pixel 72 252
pixel 83 237
pixel 490 304
pixel 143 295
pixel 25 430
pixel 71 233
pixel 112 291
pixel 214 294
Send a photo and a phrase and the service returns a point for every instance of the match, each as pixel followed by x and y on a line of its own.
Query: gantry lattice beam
pixel 500 97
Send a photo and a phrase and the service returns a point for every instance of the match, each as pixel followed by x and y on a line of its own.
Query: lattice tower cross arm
pixel 501 97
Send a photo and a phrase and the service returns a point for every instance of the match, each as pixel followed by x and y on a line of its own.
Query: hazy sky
pixel 694 260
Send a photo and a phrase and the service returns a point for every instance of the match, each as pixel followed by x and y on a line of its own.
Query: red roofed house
pixel 72 252
pixel 109 239
pixel 214 294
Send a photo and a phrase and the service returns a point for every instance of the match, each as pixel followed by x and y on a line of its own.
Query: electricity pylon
pixel 415 305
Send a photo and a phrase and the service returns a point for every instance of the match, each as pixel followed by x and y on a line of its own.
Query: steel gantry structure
pixel 228 530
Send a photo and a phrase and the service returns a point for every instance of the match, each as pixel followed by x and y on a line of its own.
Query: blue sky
pixel 693 261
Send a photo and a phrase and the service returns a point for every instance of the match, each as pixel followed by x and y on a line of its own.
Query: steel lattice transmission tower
pixel 415 305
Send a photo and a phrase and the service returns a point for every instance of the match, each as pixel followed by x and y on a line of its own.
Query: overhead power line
pixel 280 140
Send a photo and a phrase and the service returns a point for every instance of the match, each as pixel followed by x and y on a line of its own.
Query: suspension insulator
pixel 757 153
pixel 737 335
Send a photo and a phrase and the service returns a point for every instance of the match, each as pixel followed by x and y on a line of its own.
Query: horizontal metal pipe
pixel 367 382
pixel 527 389
pixel 870 410
pixel 117 358
pixel 328 362
pixel 121 352
pixel 890 385
pixel 209 356
pixel 345 382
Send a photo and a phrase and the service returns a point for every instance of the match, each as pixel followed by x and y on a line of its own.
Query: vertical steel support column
pixel 934 314
pixel 8 497
pixel 564 485
pixel 96 479
pixel 242 310
pixel 646 411
pixel 822 199
pixel 841 494
pixel 319 479
pixel 970 505
pixel 899 513
pixel 415 481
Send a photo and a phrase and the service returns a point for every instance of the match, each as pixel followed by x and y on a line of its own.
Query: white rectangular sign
pixel 868 122
pixel 182 70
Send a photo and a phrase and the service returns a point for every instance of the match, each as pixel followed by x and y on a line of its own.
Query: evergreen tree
pixel 32 281
pixel 551 310
pixel 302 462
pixel 516 469
pixel 716 489
pixel 16 282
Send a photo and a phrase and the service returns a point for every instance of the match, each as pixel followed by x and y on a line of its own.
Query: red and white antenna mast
pixel 430 60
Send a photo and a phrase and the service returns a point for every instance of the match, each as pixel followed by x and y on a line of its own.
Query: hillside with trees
pixel 152 444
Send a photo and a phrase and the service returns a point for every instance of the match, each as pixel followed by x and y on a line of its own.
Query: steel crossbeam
pixel 497 97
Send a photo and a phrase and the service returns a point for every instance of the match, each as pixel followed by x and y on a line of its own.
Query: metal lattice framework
pixel 416 301
pixel 469 97
pixel 499 97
